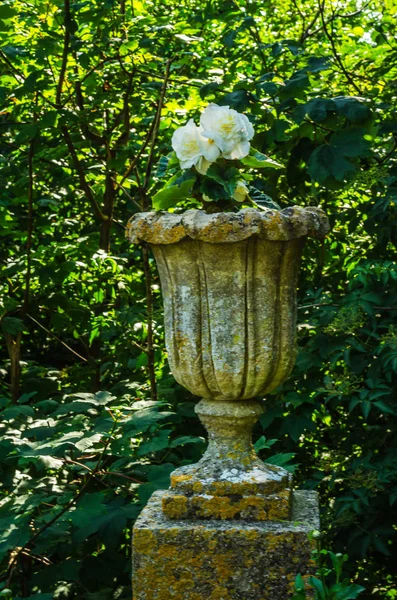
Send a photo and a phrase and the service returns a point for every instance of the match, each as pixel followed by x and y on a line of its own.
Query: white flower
pixel 241 191
pixel 192 148
pixel 230 130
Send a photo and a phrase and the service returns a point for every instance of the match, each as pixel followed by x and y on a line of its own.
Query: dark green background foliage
pixel 92 421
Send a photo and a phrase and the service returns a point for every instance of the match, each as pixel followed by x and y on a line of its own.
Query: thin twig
pixel 65 51
pixel 335 52
pixel 80 171
pixel 149 308
pixel 30 229
pixel 134 161
pixel 122 188
pixel 338 305
pixel 391 152
pixel 157 118
pixel 56 337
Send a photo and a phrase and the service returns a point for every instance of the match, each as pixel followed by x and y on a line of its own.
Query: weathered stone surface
pixel 225 227
pixel 230 314
pixel 230 466
pixel 220 560
pixel 229 308
pixel 272 507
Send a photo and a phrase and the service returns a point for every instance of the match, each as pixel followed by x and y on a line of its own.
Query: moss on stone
pixel 196 560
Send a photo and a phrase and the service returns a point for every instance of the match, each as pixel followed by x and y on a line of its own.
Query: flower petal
pixel 239 150
pixel 202 165
pixel 210 151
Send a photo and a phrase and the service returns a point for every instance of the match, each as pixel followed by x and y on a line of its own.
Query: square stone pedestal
pixel 220 559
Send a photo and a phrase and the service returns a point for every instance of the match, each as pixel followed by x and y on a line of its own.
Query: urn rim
pixel 227 227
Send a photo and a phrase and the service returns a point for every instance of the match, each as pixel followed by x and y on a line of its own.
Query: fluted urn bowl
pixel 229 288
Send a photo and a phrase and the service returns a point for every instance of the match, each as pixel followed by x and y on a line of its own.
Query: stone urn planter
pixel 229 287
pixel 230 526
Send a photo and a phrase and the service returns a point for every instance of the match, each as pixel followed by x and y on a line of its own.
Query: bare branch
pixel 66 41
pixel 156 126
pixel 56 337
pixel 333 46
pixel 30 228
pixel 83 181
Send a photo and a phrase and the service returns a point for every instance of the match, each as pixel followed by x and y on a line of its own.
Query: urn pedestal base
pixel 230 527
pixel 222 560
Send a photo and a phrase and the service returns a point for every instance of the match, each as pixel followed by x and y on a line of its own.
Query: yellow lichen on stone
pixel 197 487
pixel 144 541
pixel 219 593
pixel 175 479
pixel 193 560
pixel 175 506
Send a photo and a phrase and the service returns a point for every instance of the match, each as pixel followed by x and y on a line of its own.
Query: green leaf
pixel 37 597
pixel 208 89
pixel 12 325
pixel 263 443
pixel 88 442
pixel 350 142
pixel 354 109
pixel 13 412
pixel 142 420
pixel 95 333
pixel 262 200
pixel 165 163
pixel 159 475
pixel 26 397
pixel 45 461
pixel 7 11
pixel 186 439
pixel 326 161
pixel 294 87
pixel 238 100
pixel 257 160
pixel 299 583
pixel 159 442
pixel 318 586
pixel 282 460
pixel 318 109
pixel 384 407
pixel 170 196
pixel 349 593
pixel 366 408
pixel 227 178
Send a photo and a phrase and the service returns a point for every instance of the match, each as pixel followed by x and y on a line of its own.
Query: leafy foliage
pixel 338 589
pixel 92 422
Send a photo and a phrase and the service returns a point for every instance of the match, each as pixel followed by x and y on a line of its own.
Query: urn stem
pixel 229 426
